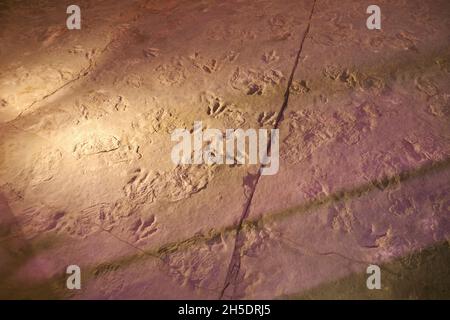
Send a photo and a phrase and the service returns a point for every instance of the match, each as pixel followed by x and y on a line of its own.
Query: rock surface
pixel 86 177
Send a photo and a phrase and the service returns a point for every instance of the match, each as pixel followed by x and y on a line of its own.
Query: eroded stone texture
pixel 86 176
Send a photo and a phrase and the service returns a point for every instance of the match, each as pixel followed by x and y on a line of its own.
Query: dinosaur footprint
pixel 267 118
pixel 139 186
pixel 215 105
pixel 142 228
